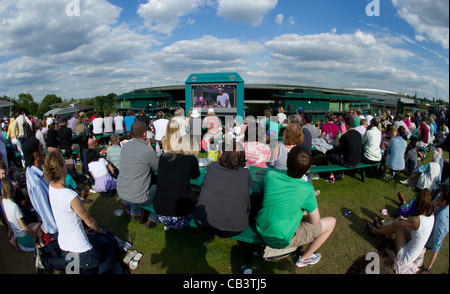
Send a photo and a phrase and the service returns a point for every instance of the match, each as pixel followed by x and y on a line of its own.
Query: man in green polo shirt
pixel 289 216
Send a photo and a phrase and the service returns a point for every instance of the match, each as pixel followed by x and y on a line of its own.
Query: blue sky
pixel 85 48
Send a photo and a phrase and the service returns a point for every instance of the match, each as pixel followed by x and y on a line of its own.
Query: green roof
pixel 297 95
pixel 143 95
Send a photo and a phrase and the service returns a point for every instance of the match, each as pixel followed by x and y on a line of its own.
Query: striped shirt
pixel 37 188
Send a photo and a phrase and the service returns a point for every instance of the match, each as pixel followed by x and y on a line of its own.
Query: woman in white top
pixel 160 125
pixel 371 143
pixel 69 215
pixel 118 124
pixel 101 171
pixel 97 124
pixel 411 234
pixel 108 123
pixel 292 136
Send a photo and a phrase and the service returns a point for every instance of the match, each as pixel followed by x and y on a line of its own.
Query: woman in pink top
pixel 257 153
pixel 330 126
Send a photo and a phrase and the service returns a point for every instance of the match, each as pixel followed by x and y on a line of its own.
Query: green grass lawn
pixel 184 252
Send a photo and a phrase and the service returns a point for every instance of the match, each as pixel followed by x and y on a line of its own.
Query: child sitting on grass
pixel 24 236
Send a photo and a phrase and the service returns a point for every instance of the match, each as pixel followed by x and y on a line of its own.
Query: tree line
pixel 26 102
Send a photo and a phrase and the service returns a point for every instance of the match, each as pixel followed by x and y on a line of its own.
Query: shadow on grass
pixel 184 253
pixel 102 210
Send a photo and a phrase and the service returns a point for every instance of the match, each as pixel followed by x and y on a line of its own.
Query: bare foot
pixel 401 197
pixel 13 243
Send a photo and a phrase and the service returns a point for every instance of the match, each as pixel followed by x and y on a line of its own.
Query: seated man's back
pixel 136 163
pixel 285 200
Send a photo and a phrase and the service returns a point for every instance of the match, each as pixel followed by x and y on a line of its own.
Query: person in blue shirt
pixel 396 151
pixel 129 120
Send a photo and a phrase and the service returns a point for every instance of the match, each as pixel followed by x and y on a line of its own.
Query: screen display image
pixel 214 96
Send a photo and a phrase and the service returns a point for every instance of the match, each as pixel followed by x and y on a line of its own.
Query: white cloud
pixel 427 17
pixel 41 43
pixel 252 12
pixel 34 28
pixel 206 54
pixel 291 20
pixel 342 60
pixel 163 16
pixel 330 46
pixel 279 19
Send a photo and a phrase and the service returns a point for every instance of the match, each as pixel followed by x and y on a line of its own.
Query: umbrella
pixel 59 111
pixel 67 110
pixel 52 111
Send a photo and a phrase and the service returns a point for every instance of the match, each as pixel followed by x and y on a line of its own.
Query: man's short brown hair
pixel 138 128
pixel 298 162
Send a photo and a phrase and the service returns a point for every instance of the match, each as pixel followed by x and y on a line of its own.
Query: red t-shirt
pixel 424 133
pixel 331 128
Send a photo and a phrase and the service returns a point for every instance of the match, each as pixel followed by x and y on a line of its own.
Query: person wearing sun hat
pixel 213 125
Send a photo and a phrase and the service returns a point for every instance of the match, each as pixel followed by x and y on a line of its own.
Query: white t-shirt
pixel 71 234
pixel 108 121
pixel 221 100
pixel 281 118
pixel 98 168
pixel 160 128
pixel 97 124
pixel 371 144
pixel 118 123
pixel 49 121
pixel 13 214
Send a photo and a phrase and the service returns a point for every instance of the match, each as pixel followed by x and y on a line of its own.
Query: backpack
pixel 27 131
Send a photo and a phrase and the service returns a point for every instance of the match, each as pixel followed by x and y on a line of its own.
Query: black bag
pixel 27 131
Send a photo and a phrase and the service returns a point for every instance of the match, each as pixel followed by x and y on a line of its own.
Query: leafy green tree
pixel 46 104
pixel 26 102
pixel 105 103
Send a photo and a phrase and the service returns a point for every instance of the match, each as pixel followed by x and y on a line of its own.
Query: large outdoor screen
pixel 221 96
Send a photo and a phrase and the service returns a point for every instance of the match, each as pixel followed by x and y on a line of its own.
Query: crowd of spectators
pixel 151 162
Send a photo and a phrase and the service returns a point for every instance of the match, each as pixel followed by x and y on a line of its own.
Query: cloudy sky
pixel 85 48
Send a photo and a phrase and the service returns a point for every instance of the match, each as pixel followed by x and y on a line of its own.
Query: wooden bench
pixel 336 167
pixel 249 235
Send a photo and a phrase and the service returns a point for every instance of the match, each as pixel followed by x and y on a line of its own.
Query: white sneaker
pixel 314 176
pixel 313 259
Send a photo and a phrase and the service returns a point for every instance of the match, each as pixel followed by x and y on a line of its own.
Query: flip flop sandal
pixel 377 222
pixel 130 255
pixel 135 261
pixel 86 201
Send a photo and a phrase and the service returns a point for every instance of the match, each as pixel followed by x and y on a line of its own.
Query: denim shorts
pixel 87 261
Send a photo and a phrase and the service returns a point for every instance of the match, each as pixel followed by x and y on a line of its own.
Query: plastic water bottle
pixel 158 149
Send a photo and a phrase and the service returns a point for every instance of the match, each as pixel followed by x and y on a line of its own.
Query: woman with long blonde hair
pixel 174 200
